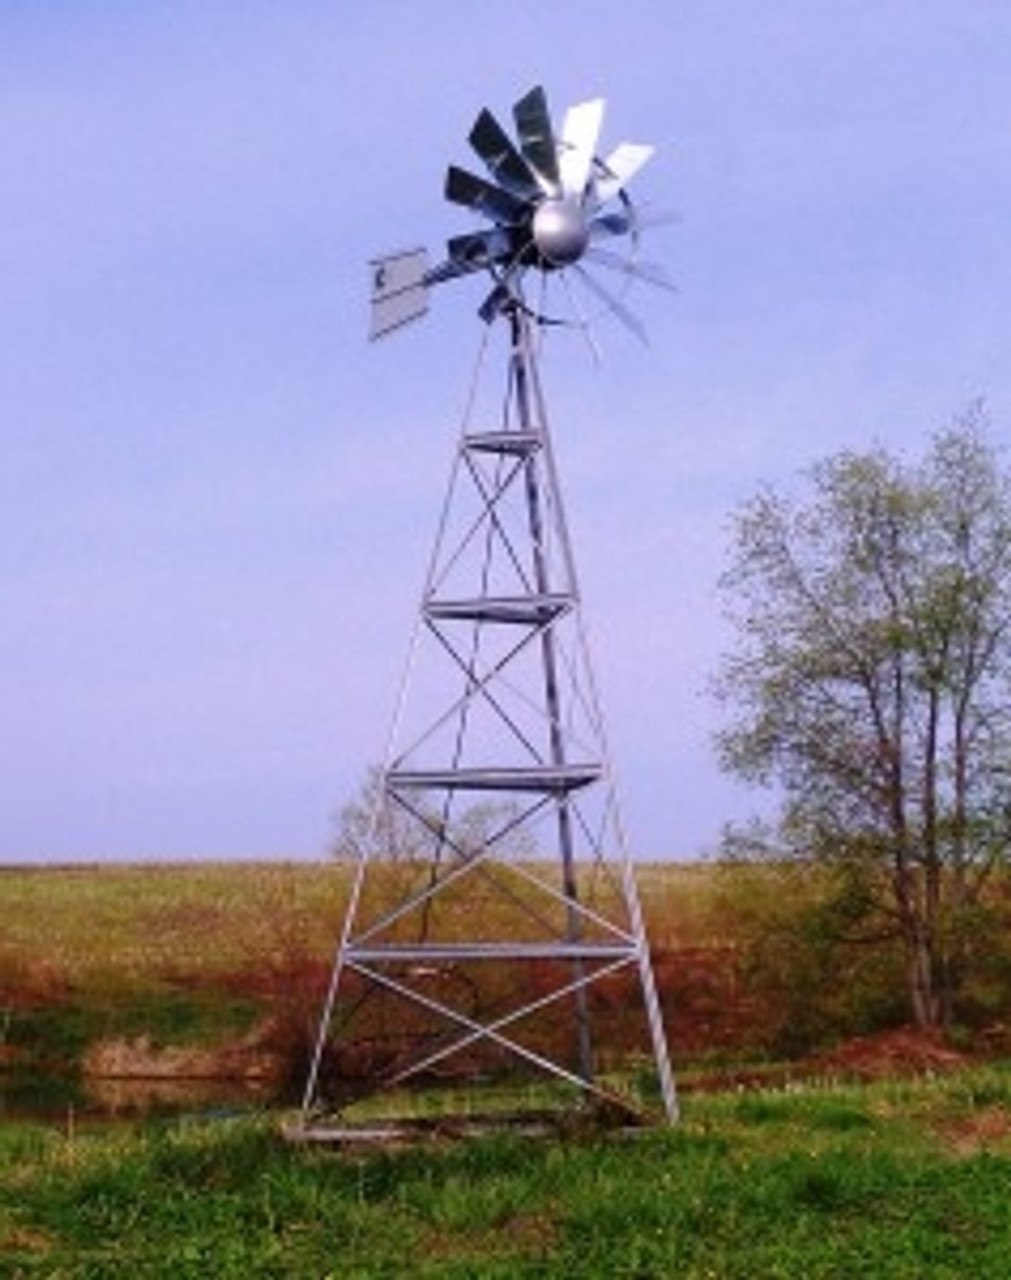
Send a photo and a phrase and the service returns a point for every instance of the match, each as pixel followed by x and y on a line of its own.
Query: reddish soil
pixel 905 1051
pixel 712 1017
pixel 707 1009
pixel 711 1013
pixel 979 1131
pixel 895 1054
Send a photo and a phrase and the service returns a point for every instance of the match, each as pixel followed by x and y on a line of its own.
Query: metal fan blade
pixel 650 272
pixel 506 290
pixel 451 270
pixel 612 224
pixel 537 139
pixel 620 168
pixel 463 187
pixel 494 303
pixel 582 319
pixel 480 249
pixel 504 162
pixel 613 303
pixel 578 146
pixel 621 222
pixel 647 218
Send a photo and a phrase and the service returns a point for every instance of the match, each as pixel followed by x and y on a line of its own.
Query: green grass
pixel 886 1181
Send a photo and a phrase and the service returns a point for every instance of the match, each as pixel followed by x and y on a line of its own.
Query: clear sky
pixel 217 500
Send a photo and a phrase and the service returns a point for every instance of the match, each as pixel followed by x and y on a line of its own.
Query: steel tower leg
pixel 524 373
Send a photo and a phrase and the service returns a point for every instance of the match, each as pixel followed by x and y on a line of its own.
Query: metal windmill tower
pixel 494 933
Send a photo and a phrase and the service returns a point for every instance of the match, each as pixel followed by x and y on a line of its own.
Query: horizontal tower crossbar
pixel 545 779
pixel 451 952
pixel 520 443
pixel 533 610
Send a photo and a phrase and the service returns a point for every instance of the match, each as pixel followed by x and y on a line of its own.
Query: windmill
pixel 494 936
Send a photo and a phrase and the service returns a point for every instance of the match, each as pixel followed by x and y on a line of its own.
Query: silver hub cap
pixel 560 231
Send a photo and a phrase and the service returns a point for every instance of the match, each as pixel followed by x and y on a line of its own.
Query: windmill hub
pixel 560 230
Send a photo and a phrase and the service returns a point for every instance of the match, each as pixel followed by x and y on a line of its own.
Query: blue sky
pixel 217 499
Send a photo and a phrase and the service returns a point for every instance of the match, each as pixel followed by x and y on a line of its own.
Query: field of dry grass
pixel 218 954
pixel 118 962
pixel 138 923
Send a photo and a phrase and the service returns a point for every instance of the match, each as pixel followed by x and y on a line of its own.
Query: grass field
pixel 230 961
pixel 117 924
pixel 132 922
pixel 195 953
pixel 896 1179
pixel 899 1180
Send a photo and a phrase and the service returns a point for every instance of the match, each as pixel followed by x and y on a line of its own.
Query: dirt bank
pixel 249 1059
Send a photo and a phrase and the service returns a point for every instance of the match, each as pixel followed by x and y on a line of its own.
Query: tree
pixel 871 684
pixel 373 825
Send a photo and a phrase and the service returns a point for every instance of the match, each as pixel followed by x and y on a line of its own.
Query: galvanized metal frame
pixel 539 777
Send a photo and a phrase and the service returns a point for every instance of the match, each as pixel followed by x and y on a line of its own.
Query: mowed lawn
pixel 901 1180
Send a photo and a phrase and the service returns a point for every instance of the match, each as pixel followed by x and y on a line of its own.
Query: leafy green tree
pixel 870 685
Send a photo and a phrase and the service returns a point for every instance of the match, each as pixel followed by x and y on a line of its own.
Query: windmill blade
pixel 613 224
pixel 578 146
pixel 450 270
pixel 463 187
pixel 622 222
pixel 646 219
pixel 479 249
pixel 582 319
pixel 613 303
pixel 506 290
pixel 620 168
pixel 650 272
pixel 546 200
pixel 495 302
pixel 537 138
pixel 503 161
